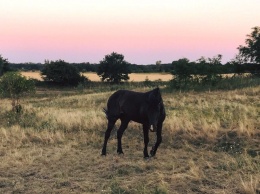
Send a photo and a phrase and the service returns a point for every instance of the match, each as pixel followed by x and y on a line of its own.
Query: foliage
pixel 224 83
pixel 14 86
pixel 152 68
pixel 88 67
pixel 113 68
pixel 212 70
pixel 205 71
pixel 182 72
pixel 61 72
pixel 251 52
pixel 4 65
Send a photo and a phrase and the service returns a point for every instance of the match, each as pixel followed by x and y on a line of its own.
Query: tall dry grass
pixel 210 145
pixel 137 77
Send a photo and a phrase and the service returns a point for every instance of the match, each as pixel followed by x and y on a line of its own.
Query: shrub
pixel 61 72
pixel 4 65
pixel 13 85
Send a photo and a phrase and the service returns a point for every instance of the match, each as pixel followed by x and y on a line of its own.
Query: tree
pixel 251 52
pixel 216 60
pixel 182 72
pixel 237 65
pixel 13 85
pixel 202 60
pixel 209 68
pixel 159 65
pixel 4 65
pixel 113 68
pixel 158 62
pixel 61 72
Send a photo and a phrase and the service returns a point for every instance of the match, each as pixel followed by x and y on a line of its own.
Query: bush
pixel 4 65
pixel 61 72
pixel 13 85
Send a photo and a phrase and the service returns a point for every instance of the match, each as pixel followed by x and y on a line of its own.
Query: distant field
pixel 94 77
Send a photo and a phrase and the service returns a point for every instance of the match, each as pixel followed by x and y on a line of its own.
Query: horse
pixel 145 108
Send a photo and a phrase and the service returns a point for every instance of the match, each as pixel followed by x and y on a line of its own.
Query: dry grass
pixel 32 74
pixel 137 77
pixel 210 145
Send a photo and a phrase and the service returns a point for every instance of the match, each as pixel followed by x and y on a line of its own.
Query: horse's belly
pixel 138 120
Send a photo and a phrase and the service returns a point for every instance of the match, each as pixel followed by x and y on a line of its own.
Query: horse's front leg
pixel 146 140
pixel 158 141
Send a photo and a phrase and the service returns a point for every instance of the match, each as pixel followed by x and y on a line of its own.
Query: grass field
pixel 210 145
pixel 94 77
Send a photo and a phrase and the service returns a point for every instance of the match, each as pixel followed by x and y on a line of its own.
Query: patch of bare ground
pixel 210 145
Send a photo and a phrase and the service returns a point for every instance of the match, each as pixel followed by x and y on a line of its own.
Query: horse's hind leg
pixel 146 139
pixel 110 126
pixel 120 131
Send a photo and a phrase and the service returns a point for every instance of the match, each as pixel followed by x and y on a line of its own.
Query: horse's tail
pixel 105 111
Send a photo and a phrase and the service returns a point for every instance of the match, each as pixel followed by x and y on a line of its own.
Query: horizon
pixel 143 31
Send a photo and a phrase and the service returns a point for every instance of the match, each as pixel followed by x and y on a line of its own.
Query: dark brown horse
pixel 145 108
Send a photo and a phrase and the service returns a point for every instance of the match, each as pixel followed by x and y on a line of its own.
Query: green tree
pixel 237 65
pixel 159 65
pixel 216 60
pixel 202 60
pixel 4 65
pixel 182 72
pixel 251 52
pixel 61 72
pixel 14 86
pixel 212 70
pixel 113 68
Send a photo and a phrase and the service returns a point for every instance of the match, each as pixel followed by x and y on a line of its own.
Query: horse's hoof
pixel 152 153
pixel 120 152
pixel 146 157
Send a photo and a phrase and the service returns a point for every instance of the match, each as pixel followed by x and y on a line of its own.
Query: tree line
pixel 229 67
pixel 114 69
pixel 93 67
pixel 247 60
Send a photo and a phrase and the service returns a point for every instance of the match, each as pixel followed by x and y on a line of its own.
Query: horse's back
pixel 128 96
pixel 124 101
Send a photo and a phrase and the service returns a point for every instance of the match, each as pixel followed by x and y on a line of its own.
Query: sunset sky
pixel 144 31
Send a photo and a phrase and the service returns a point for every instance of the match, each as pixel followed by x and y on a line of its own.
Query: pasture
pixel 136 77
pixel 210 145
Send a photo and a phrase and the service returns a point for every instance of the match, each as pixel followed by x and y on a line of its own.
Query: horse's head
pixel 154 109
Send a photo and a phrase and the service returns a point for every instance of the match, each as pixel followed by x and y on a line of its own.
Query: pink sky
pixel 144 31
